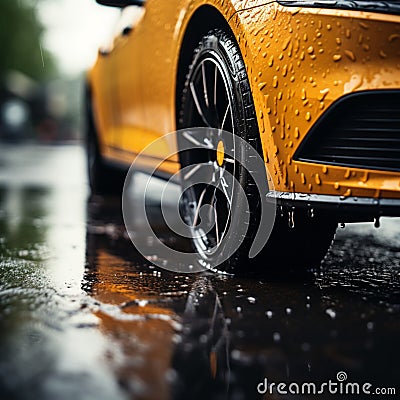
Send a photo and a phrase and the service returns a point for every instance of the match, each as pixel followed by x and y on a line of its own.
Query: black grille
pixel 360 130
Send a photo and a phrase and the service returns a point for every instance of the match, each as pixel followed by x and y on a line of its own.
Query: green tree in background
pixel 20 41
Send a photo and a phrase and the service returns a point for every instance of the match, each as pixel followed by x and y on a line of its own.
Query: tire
pixel 104 179
pixel 299 247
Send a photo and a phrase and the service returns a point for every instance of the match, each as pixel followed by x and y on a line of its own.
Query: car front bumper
pixel 301 60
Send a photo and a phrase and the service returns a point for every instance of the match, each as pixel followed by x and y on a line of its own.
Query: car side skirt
pixel 344 209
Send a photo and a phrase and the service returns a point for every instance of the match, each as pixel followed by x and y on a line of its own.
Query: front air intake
pixel 359 130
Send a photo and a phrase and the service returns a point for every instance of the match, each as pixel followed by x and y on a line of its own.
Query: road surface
pixel 84 316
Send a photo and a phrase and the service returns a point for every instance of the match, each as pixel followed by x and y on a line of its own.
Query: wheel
pixel 104 179
pixel 217 94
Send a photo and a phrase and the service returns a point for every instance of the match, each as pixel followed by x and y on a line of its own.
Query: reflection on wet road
pixel 84 316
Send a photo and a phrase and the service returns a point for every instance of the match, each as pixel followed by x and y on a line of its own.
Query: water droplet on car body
pixel 347 193
pixel 323 94
pixel 291 219
pixel 350 55
pixel 331 313
pixel 269 314
pixel 393 37
pixel 276 337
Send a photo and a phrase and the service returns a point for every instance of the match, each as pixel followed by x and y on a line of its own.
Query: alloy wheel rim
pixel 211 103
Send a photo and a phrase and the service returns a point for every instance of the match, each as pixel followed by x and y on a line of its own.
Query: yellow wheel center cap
pixel 220 153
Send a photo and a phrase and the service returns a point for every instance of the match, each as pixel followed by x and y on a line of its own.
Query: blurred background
pixel 47 45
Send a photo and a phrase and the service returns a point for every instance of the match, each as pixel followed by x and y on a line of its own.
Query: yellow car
pixel 314 86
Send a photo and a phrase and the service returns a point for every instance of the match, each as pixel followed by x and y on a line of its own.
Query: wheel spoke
pixel 216 220
pixel 203 82
pixel 197 103
pixel 212 200
pixel 205 173
pixel 224 186
pixel 205 144
pixel 203 73
pixel 190 173
pixel 208 142
pixel 225 115
pixel 215 85
pixel 200 203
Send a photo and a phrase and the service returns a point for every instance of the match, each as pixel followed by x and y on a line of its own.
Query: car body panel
pixel 300 65
pixel 299 61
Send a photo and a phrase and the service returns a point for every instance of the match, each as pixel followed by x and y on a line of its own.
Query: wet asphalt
pixel 84 316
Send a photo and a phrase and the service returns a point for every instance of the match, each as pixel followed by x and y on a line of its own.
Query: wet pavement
pixel 84 316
